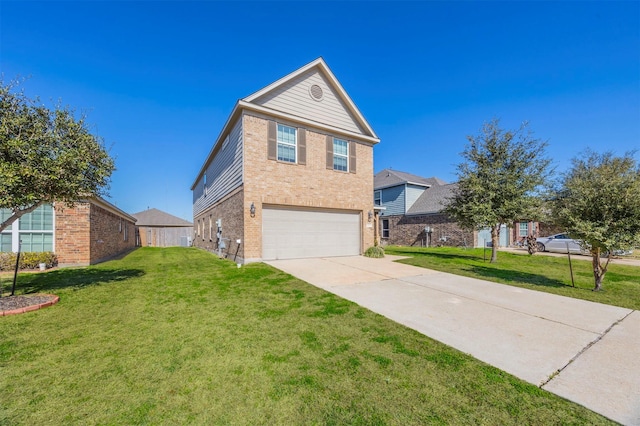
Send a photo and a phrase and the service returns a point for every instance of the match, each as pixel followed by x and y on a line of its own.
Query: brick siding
pixel 72 234
pixel 311 185
pixel 86 234
pixel 111 234
pixel 410 231
pixel 229 210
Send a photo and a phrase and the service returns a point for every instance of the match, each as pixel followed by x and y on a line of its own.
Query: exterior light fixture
pixel 370 215
pixel 252 210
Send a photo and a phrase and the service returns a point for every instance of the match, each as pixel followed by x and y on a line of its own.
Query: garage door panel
pixel 290 233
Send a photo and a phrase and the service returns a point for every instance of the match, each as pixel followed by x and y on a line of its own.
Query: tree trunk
pixel 598 270
pixel 495 237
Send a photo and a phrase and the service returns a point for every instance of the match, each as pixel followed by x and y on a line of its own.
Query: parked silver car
pixel 560 243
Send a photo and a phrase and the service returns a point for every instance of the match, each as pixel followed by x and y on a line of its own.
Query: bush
pixel 28 260
pixel 375 251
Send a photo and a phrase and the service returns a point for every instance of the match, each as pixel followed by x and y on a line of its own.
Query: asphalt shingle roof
pixel 155 217
pixel 389 177
pixel 433 199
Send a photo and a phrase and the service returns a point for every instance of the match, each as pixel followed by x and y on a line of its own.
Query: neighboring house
pixel 411 214
pixel 522 229
pixel 160 229
pixel 289 175
pixel 92 231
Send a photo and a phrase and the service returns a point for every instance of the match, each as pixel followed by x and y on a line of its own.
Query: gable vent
pixel 316 92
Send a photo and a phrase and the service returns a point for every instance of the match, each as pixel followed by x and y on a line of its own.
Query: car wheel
pixel 540 246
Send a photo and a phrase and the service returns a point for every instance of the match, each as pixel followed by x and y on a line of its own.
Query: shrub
pixel 375 251
pixel 28 260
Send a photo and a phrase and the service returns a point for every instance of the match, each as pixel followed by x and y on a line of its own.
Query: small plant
pixel 375 251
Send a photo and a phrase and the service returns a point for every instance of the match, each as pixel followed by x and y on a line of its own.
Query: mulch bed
pixel 12 305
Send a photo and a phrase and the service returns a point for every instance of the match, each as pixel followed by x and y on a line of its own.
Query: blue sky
pixel 159 78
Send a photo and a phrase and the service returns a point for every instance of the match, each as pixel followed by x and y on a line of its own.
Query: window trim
pixel 287 144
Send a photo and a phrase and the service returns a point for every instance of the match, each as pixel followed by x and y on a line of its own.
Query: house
pixel 411 214
pixel 92 231
pixel 160 229
pixel 290 174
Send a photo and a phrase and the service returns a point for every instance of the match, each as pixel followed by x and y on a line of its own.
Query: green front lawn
pixel 621 286
pixel 176 336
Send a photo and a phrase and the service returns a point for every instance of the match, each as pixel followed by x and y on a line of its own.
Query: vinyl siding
pixel 393 199
pixel 412 194
pixel 294 98
pixel 224 172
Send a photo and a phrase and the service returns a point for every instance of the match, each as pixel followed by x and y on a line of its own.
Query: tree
pixel 46 155
pixel 499 181
pixel 598 202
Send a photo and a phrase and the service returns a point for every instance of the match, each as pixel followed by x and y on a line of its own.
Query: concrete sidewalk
pixel 583 351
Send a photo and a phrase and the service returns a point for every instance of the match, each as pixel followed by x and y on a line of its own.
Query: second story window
pixel 286 144
pixel 377 198
pixel 340 155
pixel 204 184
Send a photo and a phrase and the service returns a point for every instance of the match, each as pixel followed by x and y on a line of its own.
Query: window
pixel 204 184
pixel 340 155
pixel 385 228
pixel 377 198
pixel 34 230
pixel 523 229
pixel 286 138
pixel 4 215
pixel 6 235
pixel 5 242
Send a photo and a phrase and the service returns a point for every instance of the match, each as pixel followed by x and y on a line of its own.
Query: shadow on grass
pixel 72 278
pixel 487 272
pixel 451 256
pixel 516 276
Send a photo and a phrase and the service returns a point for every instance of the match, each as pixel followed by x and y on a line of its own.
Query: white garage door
pixel 291 234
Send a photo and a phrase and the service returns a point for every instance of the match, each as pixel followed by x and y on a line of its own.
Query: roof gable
pixel 155 217
pixel 313 93
pixel 388 178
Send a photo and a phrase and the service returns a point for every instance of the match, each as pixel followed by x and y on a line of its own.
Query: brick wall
pixel 72 234
pixel 409 231
pixel 311 185
pixel 230 210
pixel 110 234
pixel 86 234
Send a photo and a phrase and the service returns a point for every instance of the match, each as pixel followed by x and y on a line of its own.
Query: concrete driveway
pixel 583 351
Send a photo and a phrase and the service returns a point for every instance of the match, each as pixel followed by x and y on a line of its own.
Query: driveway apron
pixel 583 351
